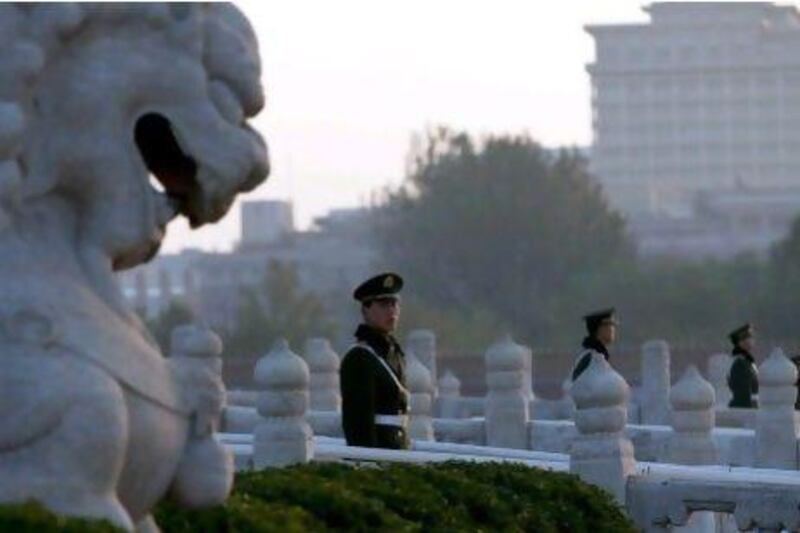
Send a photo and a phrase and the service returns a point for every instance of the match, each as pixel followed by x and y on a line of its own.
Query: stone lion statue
pixel 94 100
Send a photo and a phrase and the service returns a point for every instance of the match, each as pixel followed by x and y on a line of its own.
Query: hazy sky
pixel 348 81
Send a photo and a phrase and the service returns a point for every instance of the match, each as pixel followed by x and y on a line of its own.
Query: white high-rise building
pixel 706 96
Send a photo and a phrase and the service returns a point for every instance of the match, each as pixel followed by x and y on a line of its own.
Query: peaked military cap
pixel 385 285
pixel 598 318
pixel 741 333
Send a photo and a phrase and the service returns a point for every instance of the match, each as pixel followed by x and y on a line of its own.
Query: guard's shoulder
pixel 356 353
pixel 357 348
pixel 740 363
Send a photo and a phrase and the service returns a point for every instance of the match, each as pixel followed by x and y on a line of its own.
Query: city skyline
pixel 347 87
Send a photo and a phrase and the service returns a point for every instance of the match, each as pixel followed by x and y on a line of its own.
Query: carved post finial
pixel 776 428
pixel 601 454
pixel 323 364
pixel 282 436
pixel 196 353
pixel 655 382
pixel 448 402
pixel 692 403
pixel 449 385
pixel 507 406
pixel 423 343
pixel 420 386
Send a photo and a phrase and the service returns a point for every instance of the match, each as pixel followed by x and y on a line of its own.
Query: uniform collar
pixel 744 353
pixel 379 341
pixel 593 344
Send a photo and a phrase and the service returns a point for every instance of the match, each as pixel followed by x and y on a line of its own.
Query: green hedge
pixel 31 517
pixel 445 497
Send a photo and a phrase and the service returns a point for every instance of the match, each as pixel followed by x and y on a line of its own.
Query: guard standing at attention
pixel 601 327
pixel 372 373
pixel 743 376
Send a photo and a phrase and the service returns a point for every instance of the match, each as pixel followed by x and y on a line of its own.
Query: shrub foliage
pixel 445 497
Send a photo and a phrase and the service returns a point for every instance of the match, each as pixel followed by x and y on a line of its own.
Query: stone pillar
pixel 282 436
pixel 527 360
pixel 507 408
pixel 655 382
pixel 601 454
pixel 205 472
pixel 719 365
pixel 776 429
pixel 420 386
pixel 423 343
pixel 449 395
pixel 197 347
pixel 692 402
pixel 323 364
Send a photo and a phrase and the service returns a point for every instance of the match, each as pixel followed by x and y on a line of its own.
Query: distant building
pixel 329 260
pixel 704 97
pixel 265 222
pixel 722 225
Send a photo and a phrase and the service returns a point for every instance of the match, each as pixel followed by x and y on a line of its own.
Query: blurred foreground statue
pixel 94 98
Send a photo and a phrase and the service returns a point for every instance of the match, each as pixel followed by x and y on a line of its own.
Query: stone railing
pixel 685 489
pixel 733 431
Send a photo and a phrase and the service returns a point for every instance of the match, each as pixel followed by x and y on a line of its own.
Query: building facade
pixel 723 225
pixel 704 97
pixel 329 261
pixel 265 222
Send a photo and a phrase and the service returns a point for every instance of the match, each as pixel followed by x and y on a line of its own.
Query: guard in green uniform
pixel 743 376
pixel 601 327
pixel 372 373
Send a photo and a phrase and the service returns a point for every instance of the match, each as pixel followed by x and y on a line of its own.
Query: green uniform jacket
pixel 368 389
pixel 743 380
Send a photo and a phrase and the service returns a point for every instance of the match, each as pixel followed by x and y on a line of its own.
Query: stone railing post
pixel 719 365
pixel 282 436
pixel 655 382
pixel 420 386
pixel 200 347
pixel 422 342
pixel 601 454
pixel 449 395
pixel 205 472
pixel 507 409
pixel 692 402
pixel 527 373
pixel 776 429
pixel 323 365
